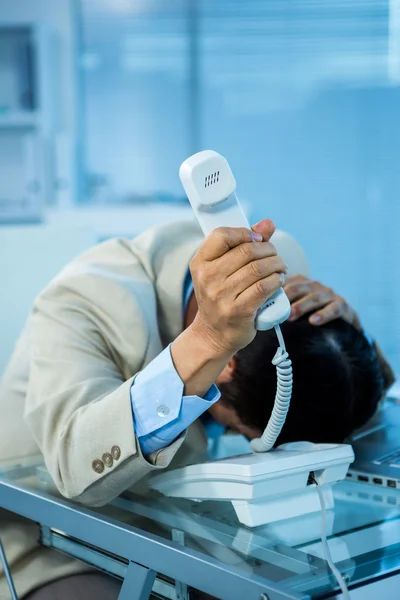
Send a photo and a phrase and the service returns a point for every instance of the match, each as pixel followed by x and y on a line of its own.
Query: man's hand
pixel 234 272
pixel 317 300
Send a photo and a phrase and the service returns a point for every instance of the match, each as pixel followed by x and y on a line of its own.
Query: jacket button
pixel 116 452
pixel 107 459
pixel 98 466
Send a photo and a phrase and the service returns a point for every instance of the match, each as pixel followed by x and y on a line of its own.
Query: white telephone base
pixel 264 487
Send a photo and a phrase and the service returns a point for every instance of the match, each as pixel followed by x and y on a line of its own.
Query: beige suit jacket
pixel 66 391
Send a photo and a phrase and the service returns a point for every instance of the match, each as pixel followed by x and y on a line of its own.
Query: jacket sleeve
pixel 84 331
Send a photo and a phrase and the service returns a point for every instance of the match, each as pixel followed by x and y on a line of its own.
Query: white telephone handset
pixel 211 190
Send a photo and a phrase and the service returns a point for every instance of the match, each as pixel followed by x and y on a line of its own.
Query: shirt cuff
pixel 158 405
pixel 191 409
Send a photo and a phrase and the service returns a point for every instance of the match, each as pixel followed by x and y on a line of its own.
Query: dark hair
pixel 337 381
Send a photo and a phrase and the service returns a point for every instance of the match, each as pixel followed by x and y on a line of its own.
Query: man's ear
pixel 227 373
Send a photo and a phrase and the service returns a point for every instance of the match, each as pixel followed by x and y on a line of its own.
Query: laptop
pixel 377 446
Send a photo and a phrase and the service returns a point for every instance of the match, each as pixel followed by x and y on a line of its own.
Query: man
pixel 111 375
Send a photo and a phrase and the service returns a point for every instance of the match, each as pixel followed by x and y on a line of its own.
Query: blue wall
pixel 303 99
pixel 328 173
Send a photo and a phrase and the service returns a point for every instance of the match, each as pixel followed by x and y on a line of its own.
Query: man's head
pixel 337 383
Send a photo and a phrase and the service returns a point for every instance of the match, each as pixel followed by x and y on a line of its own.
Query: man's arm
pixel 88 338
pixel 227 265
pixel 78 404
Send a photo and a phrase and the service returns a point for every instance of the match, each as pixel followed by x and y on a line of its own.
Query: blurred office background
pixel 101 100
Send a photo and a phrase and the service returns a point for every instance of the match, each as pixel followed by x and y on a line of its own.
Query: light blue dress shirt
pixel 160 411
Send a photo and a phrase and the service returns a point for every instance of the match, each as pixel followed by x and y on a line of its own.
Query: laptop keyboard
pixel 392 459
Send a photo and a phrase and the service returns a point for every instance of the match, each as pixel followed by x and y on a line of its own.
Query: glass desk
pixel 172 545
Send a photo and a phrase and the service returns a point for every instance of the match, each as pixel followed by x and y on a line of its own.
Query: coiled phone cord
pixel 274 427
pixel 283 396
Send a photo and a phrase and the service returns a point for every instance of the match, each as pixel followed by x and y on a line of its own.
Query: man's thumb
pixel 266 227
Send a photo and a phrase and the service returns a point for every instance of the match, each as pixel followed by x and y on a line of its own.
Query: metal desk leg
pixel 182 592
pixel 3 560
pixel 138 583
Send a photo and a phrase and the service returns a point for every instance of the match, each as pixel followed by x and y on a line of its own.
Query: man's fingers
pixel 311 303
pixel 223 239
pixel 243 255
pixel 255 295
pixel 249 274
pixel 324 305
pixel 334 310
pixel 295 289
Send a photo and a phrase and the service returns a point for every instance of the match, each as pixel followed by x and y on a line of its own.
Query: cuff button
pixel 107 459
pixel 116 452
pixel 98 466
